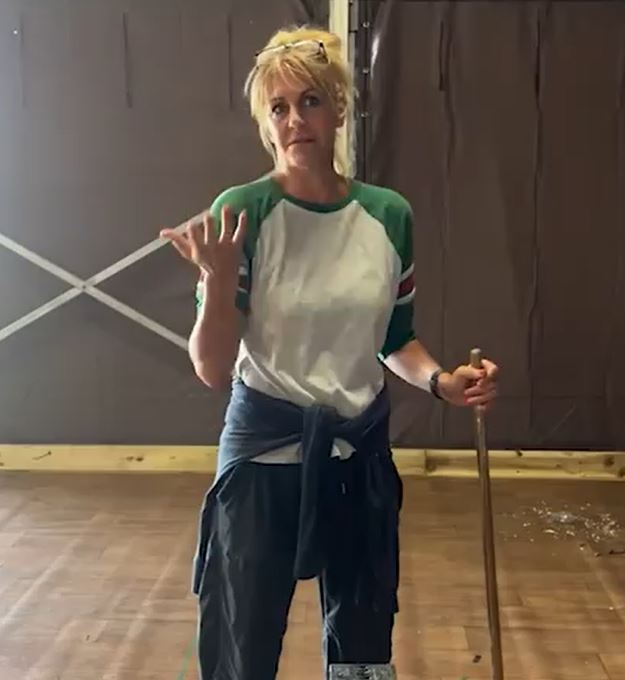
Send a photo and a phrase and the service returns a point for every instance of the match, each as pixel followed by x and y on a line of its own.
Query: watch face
pixel 434 382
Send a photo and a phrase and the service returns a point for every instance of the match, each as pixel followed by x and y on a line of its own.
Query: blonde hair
pixel 311 55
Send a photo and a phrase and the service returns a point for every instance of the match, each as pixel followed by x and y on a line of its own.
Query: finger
pixel 487 385
pixel 196 237
pixel 195 233
pixel 177 240
pixel 241 230
pixel 474 391
pixel 492 370
pixel 483 398
pixel 183 249
pixel 227 226
pixel 209 229
pixel 170 234
pixel 469 373
pixel 482 385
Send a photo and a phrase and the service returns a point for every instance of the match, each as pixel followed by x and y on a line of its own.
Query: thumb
pixel 469 373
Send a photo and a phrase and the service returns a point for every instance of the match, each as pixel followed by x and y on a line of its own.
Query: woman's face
pixel 302 123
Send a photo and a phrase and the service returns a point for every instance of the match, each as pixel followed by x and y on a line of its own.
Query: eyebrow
pixel 274 100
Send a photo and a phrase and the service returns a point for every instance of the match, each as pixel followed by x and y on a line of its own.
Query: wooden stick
pixel 488 542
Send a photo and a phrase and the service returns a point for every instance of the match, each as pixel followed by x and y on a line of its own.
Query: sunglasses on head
pixel 317 47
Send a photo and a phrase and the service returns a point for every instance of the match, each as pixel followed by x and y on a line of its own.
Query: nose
pixel 295 117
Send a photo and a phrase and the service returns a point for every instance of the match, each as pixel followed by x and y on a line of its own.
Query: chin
pixel 304 160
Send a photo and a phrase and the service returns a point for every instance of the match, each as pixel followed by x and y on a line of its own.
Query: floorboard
pixel 95 575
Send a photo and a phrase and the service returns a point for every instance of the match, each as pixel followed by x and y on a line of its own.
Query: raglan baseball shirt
pixel 327 292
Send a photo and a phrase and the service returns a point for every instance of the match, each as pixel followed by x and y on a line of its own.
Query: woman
pixel 306 289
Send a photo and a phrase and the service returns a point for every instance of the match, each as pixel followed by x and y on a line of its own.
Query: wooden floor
pixel 95 573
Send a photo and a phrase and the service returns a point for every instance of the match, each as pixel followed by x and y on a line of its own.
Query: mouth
pixel 301 141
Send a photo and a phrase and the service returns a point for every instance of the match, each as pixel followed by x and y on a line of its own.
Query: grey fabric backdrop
pixel 117 118
pixel 501 122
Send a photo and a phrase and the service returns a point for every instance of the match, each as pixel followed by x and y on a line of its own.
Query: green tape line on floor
pixel 186 662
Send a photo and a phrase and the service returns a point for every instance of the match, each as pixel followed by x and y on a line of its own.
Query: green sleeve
pixel 400 328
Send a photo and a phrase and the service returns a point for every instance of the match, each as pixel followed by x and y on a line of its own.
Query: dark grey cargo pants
pixel 245 584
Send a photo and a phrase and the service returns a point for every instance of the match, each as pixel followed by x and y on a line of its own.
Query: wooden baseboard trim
pixel 596 465
pixel 510 464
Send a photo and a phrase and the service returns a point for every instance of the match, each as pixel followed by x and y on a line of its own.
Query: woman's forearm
pixel 214 340
pixel 414 364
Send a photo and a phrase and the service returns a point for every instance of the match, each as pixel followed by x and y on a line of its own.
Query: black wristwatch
pixel 434 383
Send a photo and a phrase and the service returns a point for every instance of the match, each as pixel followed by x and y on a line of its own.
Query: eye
pixel 278 109
pixel 312 100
